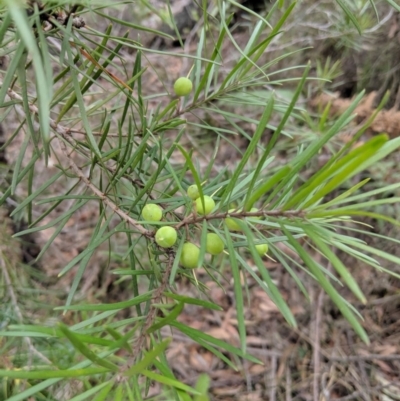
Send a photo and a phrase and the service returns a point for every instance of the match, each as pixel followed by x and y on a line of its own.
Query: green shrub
pixel 110 141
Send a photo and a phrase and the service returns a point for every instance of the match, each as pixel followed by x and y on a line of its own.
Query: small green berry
pixel 183 86
pixel 193 192
pixel 262 249
pixel 166 236
pixel 214 244
pixel 152 212
pixel 209 205
pixel 231 224
pixel 190 255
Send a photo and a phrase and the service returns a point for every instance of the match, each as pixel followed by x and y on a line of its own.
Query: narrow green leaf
pixel 249 151
pixel 198 334
pixel 193 171
pixel 106 307
pixel 169 382
pixel 274 292
pixel 328 287
pixel 266 186
pixel 83 113
pixel 85 351
pixel 375 10
pixel 202 385
pixel 43 84
pixel 237 287
pixel 5 24
pixel 84 84
pixel 48 374
pixel 148 359
pixel 350 15
pixel 69 212
pixel 134 26
pixel 345 196
pixel 105 392
pixel 35 194
pixel 94 390
pixel 122 340
pixel 394 5
pixel 303 158
pixel 169 318
pixel 206 75
pixel 258 51
pixel 351 212
pixel 347 171
pixel 193 301
pixel 336 263
pixel 9 76
pixel 52 377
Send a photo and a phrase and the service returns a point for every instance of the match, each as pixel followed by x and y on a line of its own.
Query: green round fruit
pixel 209 205
pixel 183 86
pixel 231 224
pixel 152 212
pixel 262 249
pixel 193 192
pixel 214 244
pixel 166 236
pixel 190 255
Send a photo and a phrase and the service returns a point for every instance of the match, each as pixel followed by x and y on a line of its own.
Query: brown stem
pixel 151 316
pixel 193 218
pixel 103 196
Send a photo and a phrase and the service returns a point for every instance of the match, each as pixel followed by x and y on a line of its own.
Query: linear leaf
pixel 106 307
pixel 85 351
pixel 48 374
pixel 328 287
pixel 169 381
pixel 193 301
pixel 237 287
pixel 169 318
pixel 148 358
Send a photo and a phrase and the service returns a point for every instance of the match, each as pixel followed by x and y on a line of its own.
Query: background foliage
pixel 97 133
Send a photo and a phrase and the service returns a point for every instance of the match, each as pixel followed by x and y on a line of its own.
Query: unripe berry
pixel 209 205
pixel 152 212
pixel 190 255
pixel 193 192
pixel 183 86
pixel 166 236
pixel 262 249
pixel 231 224
pixel 214 244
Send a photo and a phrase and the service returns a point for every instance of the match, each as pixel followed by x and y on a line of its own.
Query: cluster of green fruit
pixel 167 236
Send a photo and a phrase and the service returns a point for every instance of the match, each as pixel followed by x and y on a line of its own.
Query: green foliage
pixel 88 111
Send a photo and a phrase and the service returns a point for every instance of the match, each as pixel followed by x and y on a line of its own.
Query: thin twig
pixel 369 357
pixel 151 315
pixel 103 196
pixel 273 382
pixel 194 219
pixel 288 387
pixel 317 345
